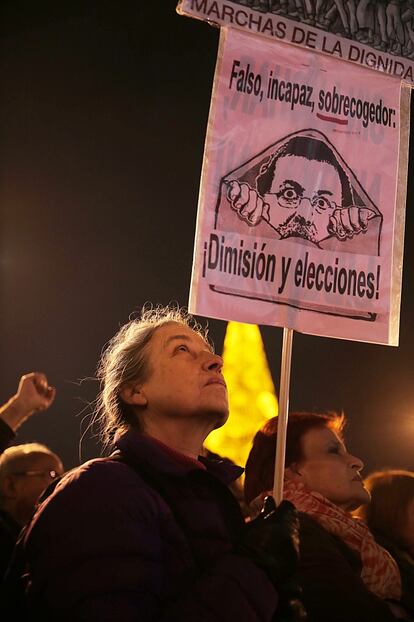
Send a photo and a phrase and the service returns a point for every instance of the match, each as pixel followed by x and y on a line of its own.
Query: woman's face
pixel 329 469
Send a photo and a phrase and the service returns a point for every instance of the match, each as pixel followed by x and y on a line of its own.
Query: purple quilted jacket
pixel 106 545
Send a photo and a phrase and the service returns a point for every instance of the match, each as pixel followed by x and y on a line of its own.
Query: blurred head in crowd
pixel 391 511
pixel 316 457
pixel 25 472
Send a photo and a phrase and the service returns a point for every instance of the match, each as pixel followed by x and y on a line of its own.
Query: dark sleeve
pixel 7 542
pixel 329 572
pixel 6 435
pixel 104 550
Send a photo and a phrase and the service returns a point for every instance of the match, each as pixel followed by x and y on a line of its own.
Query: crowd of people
pixel 387 25
pixel 154 532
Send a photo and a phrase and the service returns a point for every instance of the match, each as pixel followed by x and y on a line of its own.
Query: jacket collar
pixel 144 449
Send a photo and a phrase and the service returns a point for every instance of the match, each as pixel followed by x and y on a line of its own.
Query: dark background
pixel 104 106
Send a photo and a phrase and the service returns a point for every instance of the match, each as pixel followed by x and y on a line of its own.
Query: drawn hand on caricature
pixel 347 222
pixel 248 204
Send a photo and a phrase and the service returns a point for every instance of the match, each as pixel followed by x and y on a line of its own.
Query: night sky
pixel 104 108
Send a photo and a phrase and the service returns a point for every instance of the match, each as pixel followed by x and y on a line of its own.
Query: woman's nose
pixel 356 463
pixel 213 362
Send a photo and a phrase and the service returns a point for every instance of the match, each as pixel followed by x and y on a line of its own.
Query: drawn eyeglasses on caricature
pixel 302 191
pixel 291 196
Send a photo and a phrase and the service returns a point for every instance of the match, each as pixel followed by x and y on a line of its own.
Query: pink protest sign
pixel 301 208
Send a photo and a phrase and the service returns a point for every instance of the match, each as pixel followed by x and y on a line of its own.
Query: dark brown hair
pixel 391 493
pixel 261 461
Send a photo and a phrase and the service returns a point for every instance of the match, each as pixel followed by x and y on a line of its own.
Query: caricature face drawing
pixel 302 197
pixel 302 191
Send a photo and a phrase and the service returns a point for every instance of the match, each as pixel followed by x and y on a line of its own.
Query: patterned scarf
pixel 379 570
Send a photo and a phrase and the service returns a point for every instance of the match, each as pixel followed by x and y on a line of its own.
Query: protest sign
pixel 301 207
pixel 378 35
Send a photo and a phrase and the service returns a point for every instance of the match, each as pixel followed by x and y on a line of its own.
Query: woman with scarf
pixel 345 575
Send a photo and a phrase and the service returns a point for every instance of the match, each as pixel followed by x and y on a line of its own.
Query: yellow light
pixel 251 392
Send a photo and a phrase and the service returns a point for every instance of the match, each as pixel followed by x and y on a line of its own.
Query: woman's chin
pixel 357 501
pixel 354 502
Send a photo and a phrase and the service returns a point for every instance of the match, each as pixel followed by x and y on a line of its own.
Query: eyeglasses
pixel 52 474
pixel 290 198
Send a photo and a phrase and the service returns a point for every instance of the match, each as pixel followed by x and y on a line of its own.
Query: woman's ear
pixel 131 393
pixel 293 473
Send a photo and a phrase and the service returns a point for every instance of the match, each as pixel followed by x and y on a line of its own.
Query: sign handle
pixel 282 419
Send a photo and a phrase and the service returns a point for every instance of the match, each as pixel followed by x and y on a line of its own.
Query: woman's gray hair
pixel 125 359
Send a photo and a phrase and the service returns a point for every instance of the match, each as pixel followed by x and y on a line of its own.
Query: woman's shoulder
pixel 98 489
pixel 98 470
pixel 329 572
pixel 100 510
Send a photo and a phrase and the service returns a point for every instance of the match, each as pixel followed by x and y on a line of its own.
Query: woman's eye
pixel 333 450
pixel 182 348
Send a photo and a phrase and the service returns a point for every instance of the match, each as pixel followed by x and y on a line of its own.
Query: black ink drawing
pixel 386 25
pixel 304 190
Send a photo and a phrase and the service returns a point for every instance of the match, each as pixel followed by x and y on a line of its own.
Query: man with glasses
pixel 25 470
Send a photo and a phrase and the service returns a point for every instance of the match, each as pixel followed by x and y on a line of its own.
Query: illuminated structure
pixel 251 392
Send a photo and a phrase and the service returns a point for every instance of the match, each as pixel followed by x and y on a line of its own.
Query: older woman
pixel 345 575
pixel 152 533
pixel 390 516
